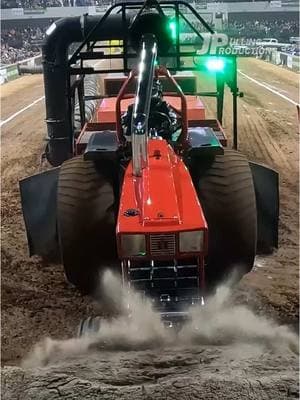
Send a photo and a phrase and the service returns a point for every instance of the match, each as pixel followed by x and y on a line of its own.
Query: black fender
pixel 266 184
pixel 39 206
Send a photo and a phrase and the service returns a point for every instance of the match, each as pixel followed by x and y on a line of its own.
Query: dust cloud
pixel 138 327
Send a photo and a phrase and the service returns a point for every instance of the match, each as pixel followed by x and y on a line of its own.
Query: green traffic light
pixel 215 64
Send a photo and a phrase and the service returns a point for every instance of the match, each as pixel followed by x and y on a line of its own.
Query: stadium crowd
pixel 281 30
pixel 260 29
pixel 19 44
pixel 36 4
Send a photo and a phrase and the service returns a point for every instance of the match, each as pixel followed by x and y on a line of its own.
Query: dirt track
pixel 36 300
pixel 195 374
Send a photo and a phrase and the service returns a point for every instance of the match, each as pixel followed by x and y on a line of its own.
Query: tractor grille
pixel 169 285
pixel 163 245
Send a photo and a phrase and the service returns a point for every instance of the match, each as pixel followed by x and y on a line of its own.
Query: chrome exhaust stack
pixel 140 115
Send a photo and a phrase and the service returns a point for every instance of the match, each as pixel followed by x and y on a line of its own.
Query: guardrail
pixel 11 71
pixel 281 58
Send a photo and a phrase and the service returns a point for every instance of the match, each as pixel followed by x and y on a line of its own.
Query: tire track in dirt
pixel 30 86
pixel 271 151
pixel 252 143
pixel 277 77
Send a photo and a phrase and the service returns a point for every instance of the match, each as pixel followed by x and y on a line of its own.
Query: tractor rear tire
pixel 226 192
pixel 86 222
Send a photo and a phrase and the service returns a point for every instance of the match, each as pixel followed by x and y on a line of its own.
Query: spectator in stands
pixel 50 3
pixel 263 28
pixel 19 44
pixel 256 29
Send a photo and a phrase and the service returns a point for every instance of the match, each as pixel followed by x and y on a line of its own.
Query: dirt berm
pixel 199 373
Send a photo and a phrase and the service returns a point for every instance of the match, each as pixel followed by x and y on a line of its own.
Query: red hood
pixel 164 196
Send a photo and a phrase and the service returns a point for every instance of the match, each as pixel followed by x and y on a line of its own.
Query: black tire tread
pixel 226 193
pixel 85 221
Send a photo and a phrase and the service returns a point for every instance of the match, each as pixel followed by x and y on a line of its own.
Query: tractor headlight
pixel 133 245
pixel 192 241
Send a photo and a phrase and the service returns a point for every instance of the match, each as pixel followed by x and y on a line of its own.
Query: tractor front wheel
pixel 226 193
pixel 86 222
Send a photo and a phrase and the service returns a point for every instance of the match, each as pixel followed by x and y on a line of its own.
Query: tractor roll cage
pixel 67 72
pixel 160 71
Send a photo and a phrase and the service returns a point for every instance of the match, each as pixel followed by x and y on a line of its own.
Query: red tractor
pixel 143 181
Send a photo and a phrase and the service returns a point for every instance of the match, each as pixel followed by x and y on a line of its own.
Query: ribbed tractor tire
pixel 86 222
pixel 226 192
